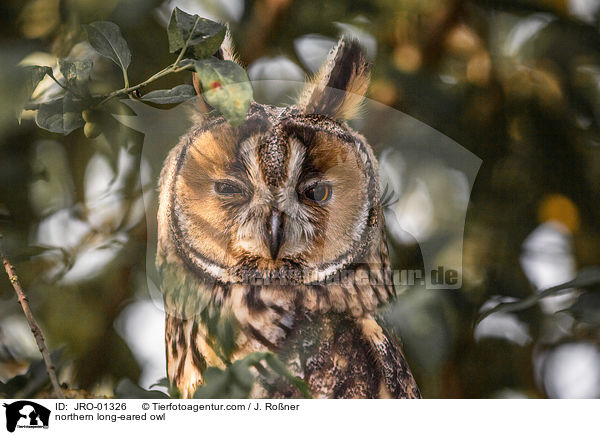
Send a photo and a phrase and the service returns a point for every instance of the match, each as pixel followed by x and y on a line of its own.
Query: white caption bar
pixel 297 416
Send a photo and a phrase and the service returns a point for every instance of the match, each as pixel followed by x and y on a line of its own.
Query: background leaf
pixel 226 87
pixel 107 40
pixel 205 36
pixel 62 115
pixel 76 74
pixel 32 75
pixel 170 96
pixel 32 381
pixel 236 381
pixel 280 368
pixel 586 278
pixel 126 389
pixel 586 308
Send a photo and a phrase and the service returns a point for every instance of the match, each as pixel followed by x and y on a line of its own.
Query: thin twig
pixel 35 329
pixel 66 88
pixel 174 68
pixel 187 42
pixel 125 77
pixel 168 70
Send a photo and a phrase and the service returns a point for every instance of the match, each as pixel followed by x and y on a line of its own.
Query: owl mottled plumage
pixel 272 233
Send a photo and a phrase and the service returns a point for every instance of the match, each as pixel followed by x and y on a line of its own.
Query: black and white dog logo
pixel 26 414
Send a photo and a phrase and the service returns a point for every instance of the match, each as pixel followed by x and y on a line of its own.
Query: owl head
pixel 292 189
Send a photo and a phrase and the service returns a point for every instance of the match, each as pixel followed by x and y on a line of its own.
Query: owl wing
pixel 187 351
pixel 390 360
pixel 185 362
pixel 386 348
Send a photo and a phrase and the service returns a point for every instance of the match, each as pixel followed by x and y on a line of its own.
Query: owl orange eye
pixel 224 188
pixel 319 192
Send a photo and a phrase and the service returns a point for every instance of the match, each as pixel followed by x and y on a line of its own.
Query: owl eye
pixel 320 192
pixel 225 188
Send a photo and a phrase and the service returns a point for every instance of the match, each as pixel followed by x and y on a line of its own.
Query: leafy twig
pixel 125 77
pixel 173 68
pixel 185 31
pixel 35 329
pixel 187 42
pixel 66 88
pixel 125 91
pixel 587 277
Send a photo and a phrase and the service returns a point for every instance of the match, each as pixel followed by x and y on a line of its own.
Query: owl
pixel 271 238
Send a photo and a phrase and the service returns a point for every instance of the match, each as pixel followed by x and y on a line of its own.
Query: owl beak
pixel 275 225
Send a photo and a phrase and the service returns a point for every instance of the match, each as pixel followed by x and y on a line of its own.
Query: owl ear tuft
pixel 339 87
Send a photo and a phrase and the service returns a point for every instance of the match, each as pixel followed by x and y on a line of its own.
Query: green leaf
pixel 126 389
pixel 280 368
pixel 117 136
pixel 32 76
pixel 117 107
pixel 172 391
pixel 236 380
pixel 586 308
pixel 12 386
pixel 202 35
pixel 226 87
pixel 162 382
pixel 62 115
pixel 33 381
pixel 76 74
pixel 186 62
pixel 585 278
pixel 107 40
pixel 218 384
pixel 170 96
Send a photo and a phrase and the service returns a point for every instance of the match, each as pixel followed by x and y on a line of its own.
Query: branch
pixel 125 91
pixel 174 68
pixel 35 329
pixel 187 42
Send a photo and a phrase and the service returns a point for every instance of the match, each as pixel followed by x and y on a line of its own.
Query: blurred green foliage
pixel 516 82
